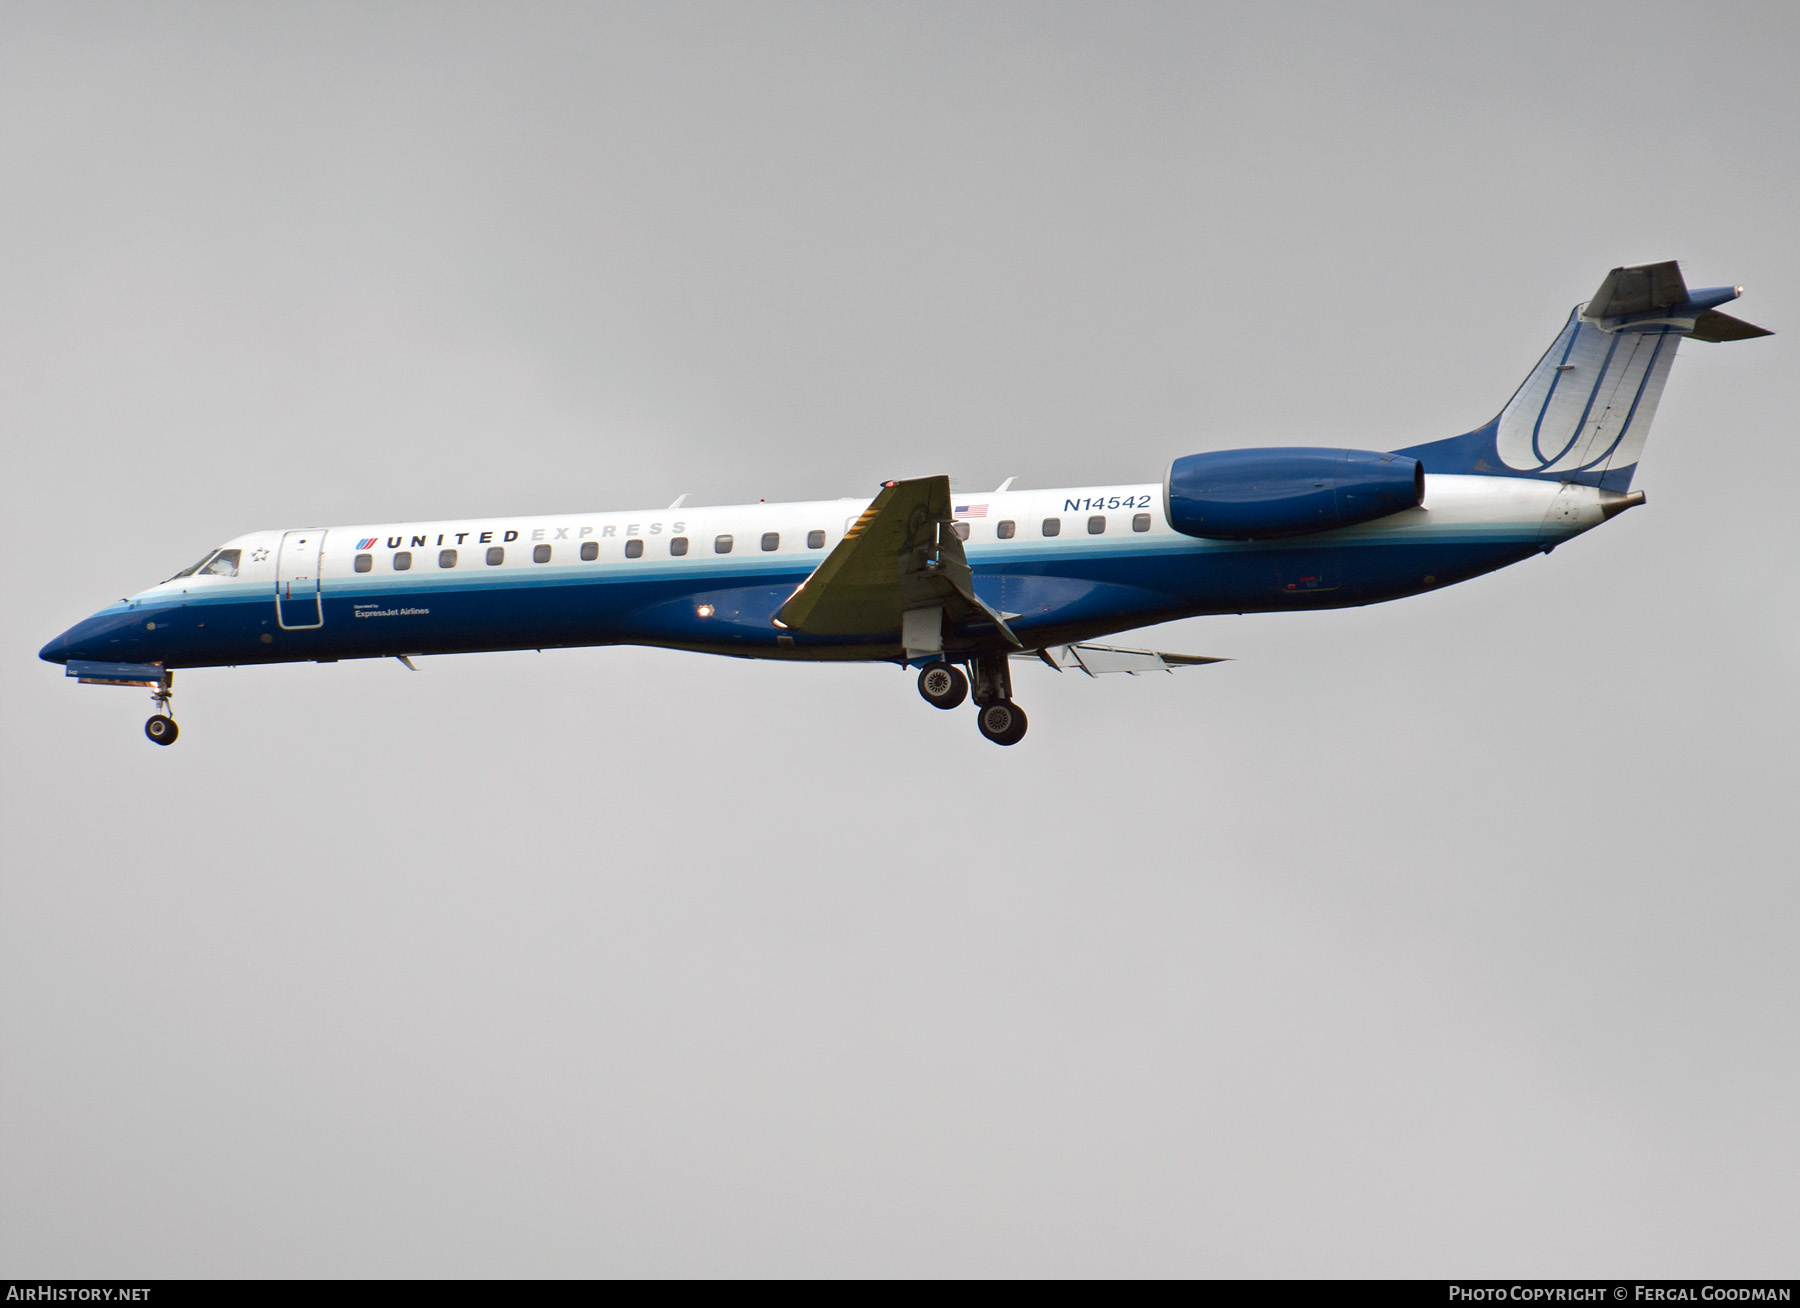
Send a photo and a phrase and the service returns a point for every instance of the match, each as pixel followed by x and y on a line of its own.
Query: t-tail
pixel 1585 410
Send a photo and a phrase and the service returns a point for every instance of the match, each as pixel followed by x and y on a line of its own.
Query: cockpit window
pixel 220 563
pixel 192 568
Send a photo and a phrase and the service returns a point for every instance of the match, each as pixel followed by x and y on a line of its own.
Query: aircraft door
pixel 297 604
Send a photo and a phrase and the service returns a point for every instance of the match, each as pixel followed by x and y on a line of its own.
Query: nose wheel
pixel 161 728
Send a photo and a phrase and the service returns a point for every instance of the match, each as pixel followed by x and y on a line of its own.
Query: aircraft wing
pixel 902 555
pixel 1096 660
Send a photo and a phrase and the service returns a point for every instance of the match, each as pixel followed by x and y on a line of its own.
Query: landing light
pixel 705 610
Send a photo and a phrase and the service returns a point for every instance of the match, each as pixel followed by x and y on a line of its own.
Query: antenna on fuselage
pixel 1003 485
pixel 679 498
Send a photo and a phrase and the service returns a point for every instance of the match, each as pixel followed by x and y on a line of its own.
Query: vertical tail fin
pixel 1584 412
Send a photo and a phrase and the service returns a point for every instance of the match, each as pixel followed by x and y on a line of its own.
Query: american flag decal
pixel 971 510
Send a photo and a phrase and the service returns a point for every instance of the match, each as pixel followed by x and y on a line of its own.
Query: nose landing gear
pixel 161 727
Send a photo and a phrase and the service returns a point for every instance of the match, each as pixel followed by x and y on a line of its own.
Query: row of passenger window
pixel 590 550
pixel 1006 529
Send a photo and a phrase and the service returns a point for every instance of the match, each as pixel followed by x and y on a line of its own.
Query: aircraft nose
pixel 58 650
pixel 92 637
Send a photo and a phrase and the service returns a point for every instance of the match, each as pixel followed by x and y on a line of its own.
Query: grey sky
pixel 1453 935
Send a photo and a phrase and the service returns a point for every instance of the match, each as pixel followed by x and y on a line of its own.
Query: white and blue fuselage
pixel 1063 565
pixel 922 576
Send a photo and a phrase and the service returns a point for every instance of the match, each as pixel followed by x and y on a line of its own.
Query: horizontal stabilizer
pixel 1715 326
pixel 1652 296
pixel 1098 659
pixel 1638 290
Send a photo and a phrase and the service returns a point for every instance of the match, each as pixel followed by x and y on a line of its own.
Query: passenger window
pixel 634 549
pixel 1052 526
pixel 961 529
pixel 1097 525
pixel 1006 529
pixel 771 541
pixel 540 554
pixel 815 540
pixel 364 562
pixel 222 564
pixel 678 545
pixel 446 558
pixel 590 550
pixel 496 556
pixel 1141 522
pixel 403 561
pixel 722 545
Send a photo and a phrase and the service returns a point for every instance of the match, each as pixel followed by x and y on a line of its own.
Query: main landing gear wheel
pixel 1002 722
pixel 162 730
pixel 943 685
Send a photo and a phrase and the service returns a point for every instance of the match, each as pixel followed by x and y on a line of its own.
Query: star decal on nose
pixel 257 556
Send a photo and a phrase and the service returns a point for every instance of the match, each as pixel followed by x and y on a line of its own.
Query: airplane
pixel 955 585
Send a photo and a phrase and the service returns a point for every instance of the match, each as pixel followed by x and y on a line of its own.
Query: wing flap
pixel 1098 660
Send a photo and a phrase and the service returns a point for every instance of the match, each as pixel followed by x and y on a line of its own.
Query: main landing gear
pixel 161 727
pixel 944 686
pixel 1002 722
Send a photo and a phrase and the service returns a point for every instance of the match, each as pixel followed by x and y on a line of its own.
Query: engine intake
pixel 1260 494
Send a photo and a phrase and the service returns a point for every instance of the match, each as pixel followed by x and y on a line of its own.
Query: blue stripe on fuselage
pixel 1059 589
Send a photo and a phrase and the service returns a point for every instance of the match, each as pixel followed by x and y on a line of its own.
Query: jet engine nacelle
pixel 1258 494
